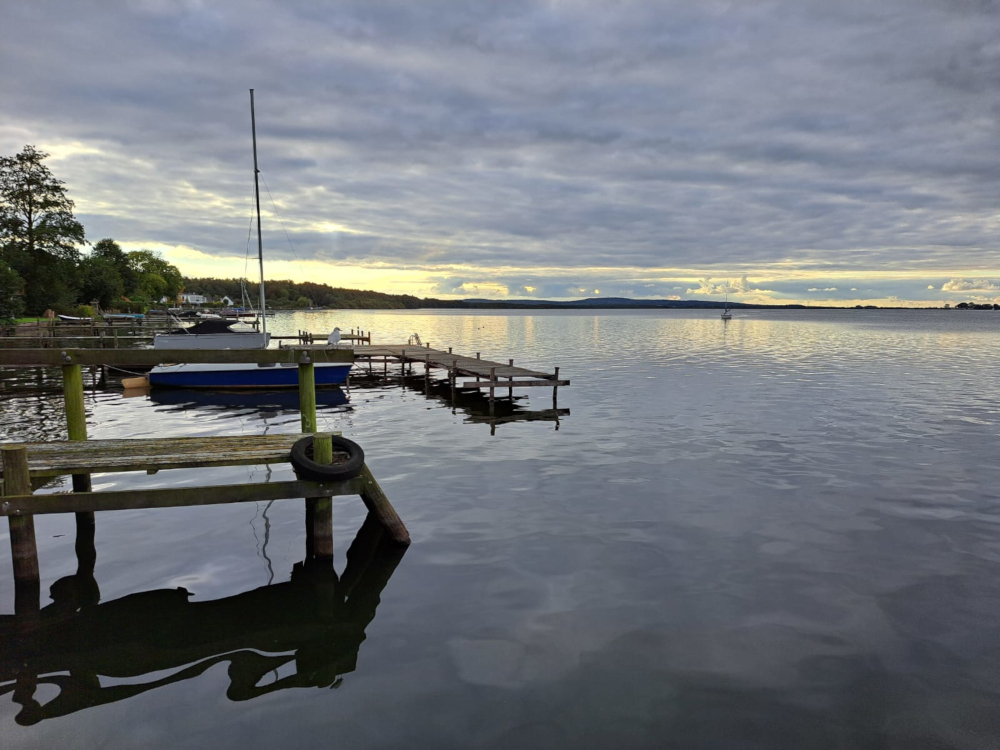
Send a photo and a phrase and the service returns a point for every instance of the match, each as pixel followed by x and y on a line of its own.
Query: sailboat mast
pixel 256 192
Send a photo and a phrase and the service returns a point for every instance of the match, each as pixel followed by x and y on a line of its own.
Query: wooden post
pixel 493 377
pixel 510 389
pixel 378 504
pixel 555 389
pixel 307 394
pixel 319 510
pixel 76 426
pixel 23 552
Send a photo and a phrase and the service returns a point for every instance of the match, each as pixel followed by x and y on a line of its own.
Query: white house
pixel 193 299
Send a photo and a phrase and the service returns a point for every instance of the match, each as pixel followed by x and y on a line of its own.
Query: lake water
pixel 783 531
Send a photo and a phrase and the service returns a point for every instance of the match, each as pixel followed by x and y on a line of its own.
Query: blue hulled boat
pixel 245 375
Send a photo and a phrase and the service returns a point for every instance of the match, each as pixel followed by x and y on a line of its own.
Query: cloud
pixel 824 289
pixel 969 285
pixel 456 139
pixel 740 286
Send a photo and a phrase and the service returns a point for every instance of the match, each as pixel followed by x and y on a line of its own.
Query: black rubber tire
pixel 306 468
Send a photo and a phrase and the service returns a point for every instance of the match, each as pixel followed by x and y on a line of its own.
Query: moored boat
pixel 211 334
pixel 217 334
pixel 285 375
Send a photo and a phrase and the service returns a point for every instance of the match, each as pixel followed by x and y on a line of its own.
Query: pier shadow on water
pixel 306 631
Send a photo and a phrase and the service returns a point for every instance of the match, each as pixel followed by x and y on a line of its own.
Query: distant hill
pixel 291 295
pixel 617 302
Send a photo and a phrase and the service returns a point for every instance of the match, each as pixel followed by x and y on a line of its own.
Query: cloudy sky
pixel 788 150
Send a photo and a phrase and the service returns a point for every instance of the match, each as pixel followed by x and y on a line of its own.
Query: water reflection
pixel 306 631
pixel 287 400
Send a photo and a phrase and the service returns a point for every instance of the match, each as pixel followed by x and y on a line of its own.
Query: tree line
pixel 41 263
pixel 286 294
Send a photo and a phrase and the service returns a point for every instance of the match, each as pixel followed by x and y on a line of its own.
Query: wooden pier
pixel 25 466
pixel 489 375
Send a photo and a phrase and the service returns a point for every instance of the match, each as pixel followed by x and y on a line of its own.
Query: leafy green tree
pixel 11 288
pixel 100 281
pixel 38 233
pixel 111 251
pixel 155 277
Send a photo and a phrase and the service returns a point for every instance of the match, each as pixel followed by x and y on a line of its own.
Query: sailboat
pixel 220 336
pixel 726 315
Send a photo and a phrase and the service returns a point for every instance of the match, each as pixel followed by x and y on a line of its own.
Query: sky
pixel 801 151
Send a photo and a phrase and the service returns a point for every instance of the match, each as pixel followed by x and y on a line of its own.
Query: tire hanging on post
pixel 306 468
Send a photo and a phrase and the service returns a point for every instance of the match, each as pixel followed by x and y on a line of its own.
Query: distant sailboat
pixel 726 315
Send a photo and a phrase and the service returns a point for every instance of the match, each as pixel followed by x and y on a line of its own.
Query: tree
pixel 155 278
pixel 38 232
pixel 111 251
pixel 11 301
pixel 100 281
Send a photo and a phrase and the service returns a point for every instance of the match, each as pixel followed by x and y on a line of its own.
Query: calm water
pixel 780 532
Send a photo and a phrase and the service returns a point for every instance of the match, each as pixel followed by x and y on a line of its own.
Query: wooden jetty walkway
pixel 487 373
pixel 25 466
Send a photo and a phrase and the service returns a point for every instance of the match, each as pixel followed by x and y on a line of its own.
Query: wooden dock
pixel 488 374
pixel 25 466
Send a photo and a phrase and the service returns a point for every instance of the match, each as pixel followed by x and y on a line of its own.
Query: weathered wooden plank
pixel 77 502
pixel 21 342
pixel 512 383
pixel 92 456
pixel 52 357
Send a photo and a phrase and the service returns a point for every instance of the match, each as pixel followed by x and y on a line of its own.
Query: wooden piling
pixel 510 389
pixel 555 388
pixel 23 551
pixel 76 426
pixel 319 510
pixel 493 378
pixel 307 395
pixel 378 504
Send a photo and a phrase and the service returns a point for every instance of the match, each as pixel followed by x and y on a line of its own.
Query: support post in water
pixel 493 378
pixel 23 552
pixel 510 388
pixel 307 393
pixel 379 506
pixel 555 389
pixel 76 426
pixel 319 510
